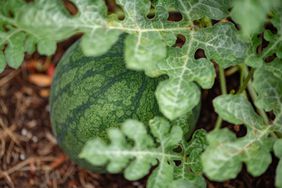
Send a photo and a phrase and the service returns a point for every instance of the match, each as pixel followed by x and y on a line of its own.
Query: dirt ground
pixel 29 155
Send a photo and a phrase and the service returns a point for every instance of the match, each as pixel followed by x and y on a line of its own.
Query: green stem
pixel 223 92
pixel 244 85
pixel 241 76
pixel 278 134
pixel 222 80
pixel 218 123
pixel 231 71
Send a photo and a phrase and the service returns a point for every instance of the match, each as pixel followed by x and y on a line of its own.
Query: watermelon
pixel 91 94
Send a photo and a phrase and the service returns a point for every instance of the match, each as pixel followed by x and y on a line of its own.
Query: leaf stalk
pixel 223 91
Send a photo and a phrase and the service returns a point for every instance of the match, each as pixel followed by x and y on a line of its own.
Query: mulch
pixel 29 154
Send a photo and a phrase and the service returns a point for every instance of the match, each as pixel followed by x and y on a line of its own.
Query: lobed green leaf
pixel 149 45
pixel 237 109
pixel 274 39
pixel 268 85
pixel 223 158
pixel 133 151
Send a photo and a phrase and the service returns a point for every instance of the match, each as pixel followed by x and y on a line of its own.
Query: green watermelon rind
pixel 91 94
pixel 87 99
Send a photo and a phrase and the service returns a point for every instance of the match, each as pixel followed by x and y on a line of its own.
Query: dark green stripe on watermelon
pixel 91 94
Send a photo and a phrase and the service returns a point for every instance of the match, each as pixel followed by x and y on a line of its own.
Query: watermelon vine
pixel 242 36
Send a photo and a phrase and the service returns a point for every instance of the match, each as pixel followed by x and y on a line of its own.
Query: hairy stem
pixel 245 83
pixel 223 91
pixel 218 123
pixel 222 80
pixel 231 71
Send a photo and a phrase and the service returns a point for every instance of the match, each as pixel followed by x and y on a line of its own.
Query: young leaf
pixel 194 149
pixel 275 40
pixel 190 170
pixel 133 151
pixel 224 156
